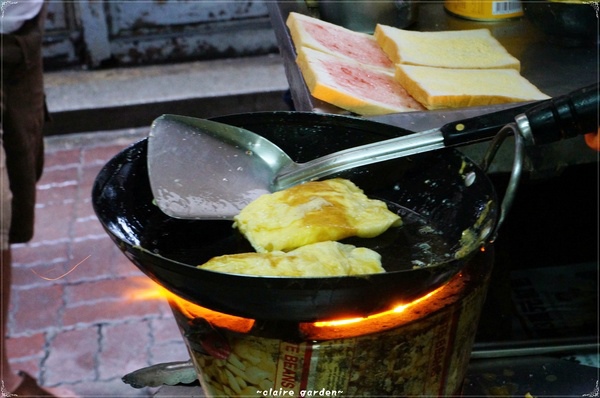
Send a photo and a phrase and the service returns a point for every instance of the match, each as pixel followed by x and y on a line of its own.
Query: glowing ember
pixel 149 290
pixel 396 310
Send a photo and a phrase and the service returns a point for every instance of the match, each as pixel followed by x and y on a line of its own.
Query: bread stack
pixel 455 68
pixel 424 70
pixel 346 68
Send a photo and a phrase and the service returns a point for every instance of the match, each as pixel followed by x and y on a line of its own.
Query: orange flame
pixel 149 290
pixel 396 310
pixel 145 289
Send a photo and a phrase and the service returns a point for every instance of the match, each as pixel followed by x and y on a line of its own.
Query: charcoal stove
pixel 418 348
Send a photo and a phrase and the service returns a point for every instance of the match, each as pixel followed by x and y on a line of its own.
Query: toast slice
pixel 352 86
pixel 460 49
pixel 437 88
pixel 336 40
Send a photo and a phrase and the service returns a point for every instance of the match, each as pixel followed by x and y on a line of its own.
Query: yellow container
pixel 485 10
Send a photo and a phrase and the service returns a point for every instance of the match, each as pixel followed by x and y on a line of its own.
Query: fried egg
pixel 315 211
pixel 315 260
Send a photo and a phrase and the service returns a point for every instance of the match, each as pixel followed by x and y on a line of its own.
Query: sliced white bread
pixel 438 88
pixel 469 49
pixel 336 40
pixel 353 86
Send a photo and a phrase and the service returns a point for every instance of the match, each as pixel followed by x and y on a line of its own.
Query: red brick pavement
pixel 86 329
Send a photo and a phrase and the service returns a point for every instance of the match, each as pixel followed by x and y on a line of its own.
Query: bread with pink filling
pixel 353 86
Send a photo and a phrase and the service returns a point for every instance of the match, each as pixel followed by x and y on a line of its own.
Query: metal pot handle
pixel 558 118
pixel 517 168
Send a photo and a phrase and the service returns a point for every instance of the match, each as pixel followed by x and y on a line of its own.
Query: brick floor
pixel 75 320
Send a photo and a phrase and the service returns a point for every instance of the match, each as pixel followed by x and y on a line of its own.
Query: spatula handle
pixel 550 120
pixel 480 128
pixel 565 117
pixel 574 109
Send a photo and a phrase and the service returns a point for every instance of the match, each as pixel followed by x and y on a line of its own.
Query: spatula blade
pixel 194 174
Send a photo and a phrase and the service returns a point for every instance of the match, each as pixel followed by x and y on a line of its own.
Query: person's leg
pixel 15 383
pixel 13 148
pixel 21 160
pixel 23 115
pixel 9 378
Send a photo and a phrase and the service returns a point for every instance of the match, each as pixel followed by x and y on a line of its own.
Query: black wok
pixel 447 202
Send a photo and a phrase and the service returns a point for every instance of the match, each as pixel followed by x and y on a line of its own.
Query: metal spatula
pixel 201 169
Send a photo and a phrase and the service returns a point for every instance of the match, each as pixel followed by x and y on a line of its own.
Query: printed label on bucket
pixel 325 367
pixel 414 359
pixel 293 359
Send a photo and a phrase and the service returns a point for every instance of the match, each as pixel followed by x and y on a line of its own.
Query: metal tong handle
pixel 553 120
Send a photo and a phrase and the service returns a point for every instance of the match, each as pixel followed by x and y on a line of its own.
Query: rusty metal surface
pixel 116 33
pixel 61 33
pixel 147 16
